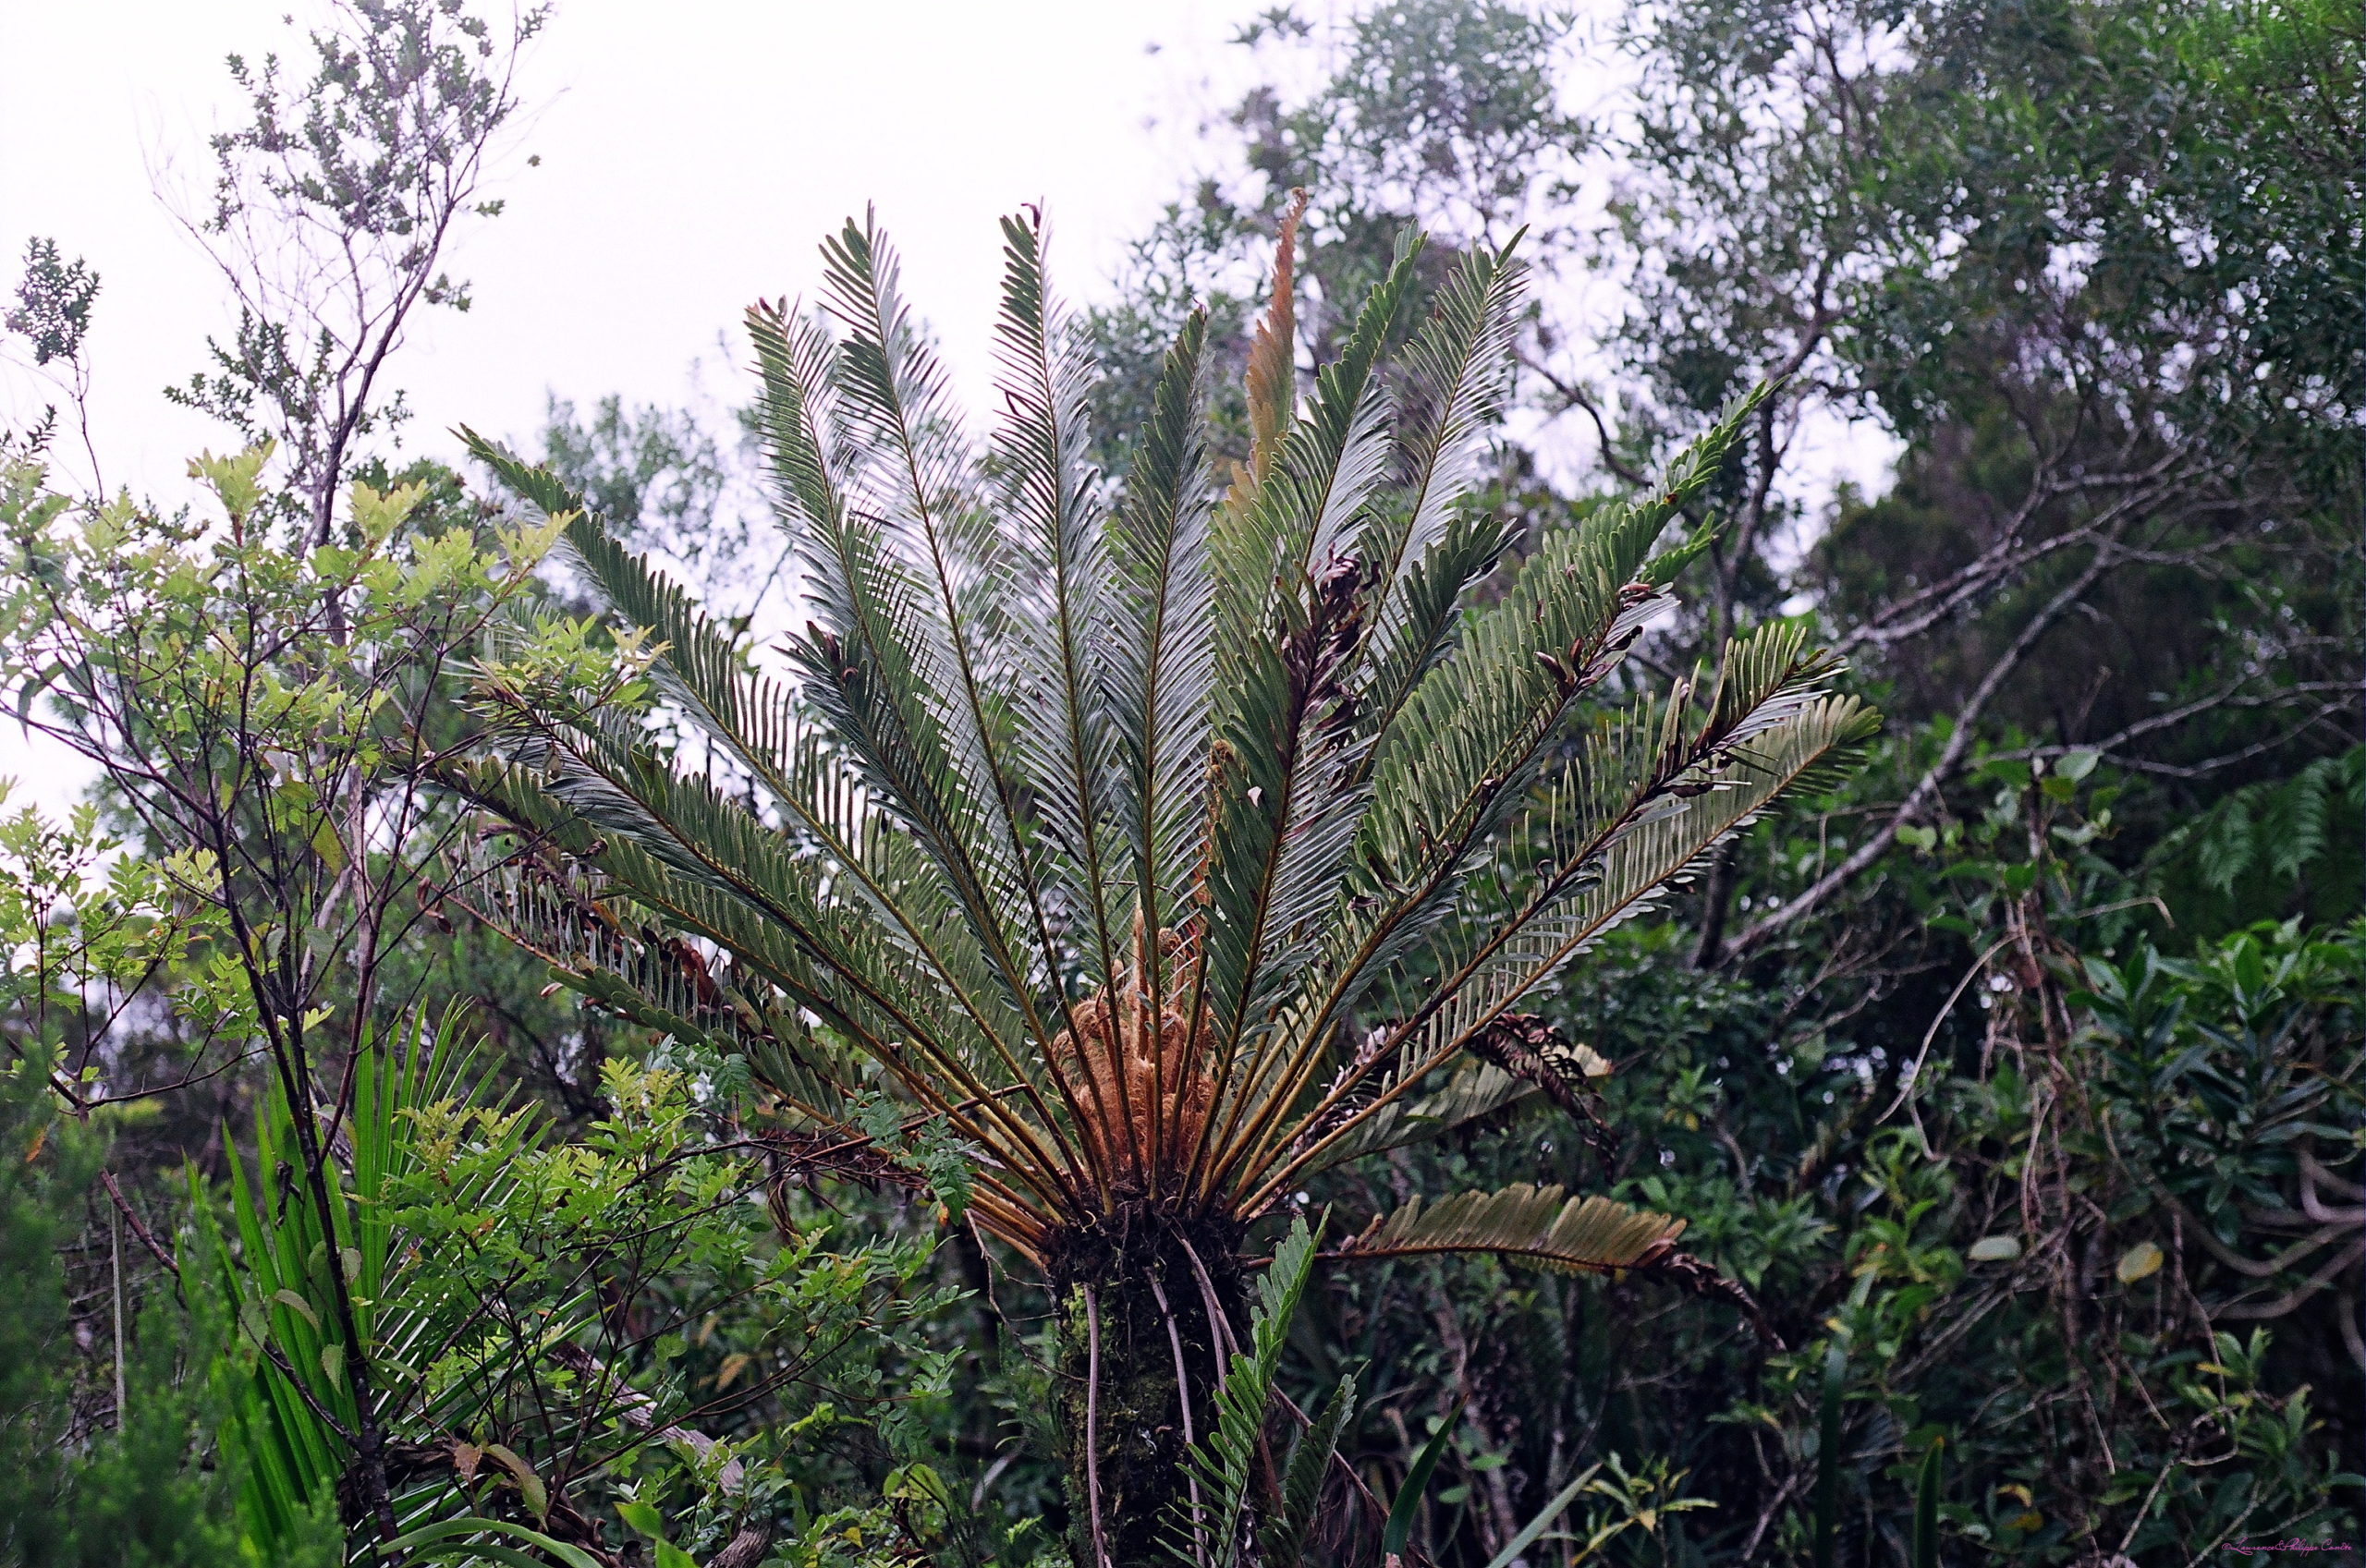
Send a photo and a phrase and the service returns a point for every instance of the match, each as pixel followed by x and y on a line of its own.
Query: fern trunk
pixel 1131 1301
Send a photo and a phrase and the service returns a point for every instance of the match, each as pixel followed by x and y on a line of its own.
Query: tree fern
pixel 1166 842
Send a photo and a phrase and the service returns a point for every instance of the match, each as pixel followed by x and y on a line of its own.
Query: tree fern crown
pixel 1157 842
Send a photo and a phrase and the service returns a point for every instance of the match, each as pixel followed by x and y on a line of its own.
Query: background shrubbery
pixel 2018 1079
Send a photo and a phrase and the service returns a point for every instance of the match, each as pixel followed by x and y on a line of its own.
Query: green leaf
pixel 1828 1456
pixel 327 845
pixel 646 1519
pixel 529 1485
pixel 1926 1509
pixel 1408 1506
pixel 1537 1526
pixel 454 1538
pixel 299 1306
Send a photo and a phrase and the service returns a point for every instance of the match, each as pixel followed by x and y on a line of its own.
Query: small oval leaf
pixel 530 1486
pixel 2138 1262
pixel 1994 1249
pixel 299 1306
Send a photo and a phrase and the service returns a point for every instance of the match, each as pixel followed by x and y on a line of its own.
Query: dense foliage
pixel 2008 1087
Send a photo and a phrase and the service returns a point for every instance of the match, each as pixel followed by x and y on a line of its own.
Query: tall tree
pixel 258 686
pixel 329 217
pixel 2099 266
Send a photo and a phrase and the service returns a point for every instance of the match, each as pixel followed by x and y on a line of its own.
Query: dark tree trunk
pixel 1716 898
pixel 1133 1297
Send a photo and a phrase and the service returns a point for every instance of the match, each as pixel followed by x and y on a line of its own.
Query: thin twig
pixel 1183 1400
pixel 1093 1423
pixel 106 1179
pixel 1219 1326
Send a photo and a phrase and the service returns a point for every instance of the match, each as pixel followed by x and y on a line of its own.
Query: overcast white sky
pixel 690 156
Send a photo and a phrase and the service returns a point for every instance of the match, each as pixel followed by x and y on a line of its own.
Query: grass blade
pixel 1537 1526
pixel 1828 1456
pixel 1926 1508
pixel 1417 1482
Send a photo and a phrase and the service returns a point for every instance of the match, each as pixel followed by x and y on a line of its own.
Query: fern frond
pixel 1281 1542
pixel 708 869
pixel 889 688
pixel 1460 759
pixel 605 952
pixel 1456 370
pixel 1163 681
pixel 1292 612
pixel 1535 1225
pixel 1468 742
pixel 704 673
pixel 893 396
pixel 1063 619
pixel 1338 456
pixel 1476 1089
pixel 1222 1461
pixel 1283 820
pixel 1424 614
pixel 1624 826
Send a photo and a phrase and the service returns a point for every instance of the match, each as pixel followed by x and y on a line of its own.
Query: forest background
pixel 2014 1081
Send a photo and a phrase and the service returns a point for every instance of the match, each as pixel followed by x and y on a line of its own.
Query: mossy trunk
pixel 1131 1301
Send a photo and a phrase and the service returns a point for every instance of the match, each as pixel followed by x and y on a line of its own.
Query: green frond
pixel 926 698
pixel 1336 457
pixel 1063 612
pixel 1473 1091
pixel 1623 824
pixel 1285 771
pixel 1281 1543
pixel 1468 742
pixel 1284 819
pixel 913 469
pixel 1422 615
pixel 1162 682
pixel 1456 370
pixel 1223 1463
pixel 1762 680
pixel 1057 788
pixel 1457 759
pixel 704 673
pixel 887 663
pixel 1606 865
pixel 603 950
pixel 1523 1224
pixel 1457 764
pixel 709 871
